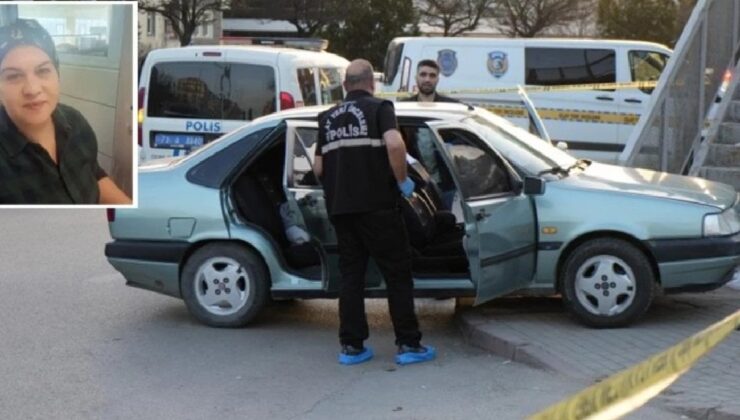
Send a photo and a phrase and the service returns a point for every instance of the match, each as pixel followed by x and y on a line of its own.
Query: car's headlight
pixel 725 223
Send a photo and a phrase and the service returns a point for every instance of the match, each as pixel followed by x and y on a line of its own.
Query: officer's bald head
pixel 359 76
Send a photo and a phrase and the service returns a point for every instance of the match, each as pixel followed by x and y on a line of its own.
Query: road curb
pixel 504 341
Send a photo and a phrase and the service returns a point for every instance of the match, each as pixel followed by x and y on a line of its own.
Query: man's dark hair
pixel 428 63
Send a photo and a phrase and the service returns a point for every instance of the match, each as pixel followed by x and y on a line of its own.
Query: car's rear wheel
pixel 607 282
pixel 224 285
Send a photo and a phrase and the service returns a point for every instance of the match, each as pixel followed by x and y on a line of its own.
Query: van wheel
pixel 224 285
pixel 607 283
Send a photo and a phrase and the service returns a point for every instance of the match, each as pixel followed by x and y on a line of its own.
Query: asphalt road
pixel 75 342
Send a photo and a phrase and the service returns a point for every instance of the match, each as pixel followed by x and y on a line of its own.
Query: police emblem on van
pixel 447 60
pixel 498 63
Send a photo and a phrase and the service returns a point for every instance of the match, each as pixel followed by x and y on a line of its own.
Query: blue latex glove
pixel 407 187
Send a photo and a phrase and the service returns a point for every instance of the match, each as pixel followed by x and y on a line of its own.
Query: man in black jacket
pixel 427 78
pixel 361 161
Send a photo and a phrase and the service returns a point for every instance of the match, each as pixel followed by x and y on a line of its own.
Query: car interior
pixel 435 233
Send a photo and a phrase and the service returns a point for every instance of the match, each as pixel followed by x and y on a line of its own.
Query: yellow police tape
pixel 627 390
pixel 559 114
pixel 573 115
pixel 528 89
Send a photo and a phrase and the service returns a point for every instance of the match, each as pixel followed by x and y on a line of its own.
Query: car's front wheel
pixel 224 285
pixel 607 282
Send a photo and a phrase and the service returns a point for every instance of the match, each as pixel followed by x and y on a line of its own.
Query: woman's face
pixel 29 86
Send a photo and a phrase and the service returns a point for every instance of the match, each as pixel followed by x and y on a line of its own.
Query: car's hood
pixel 652 183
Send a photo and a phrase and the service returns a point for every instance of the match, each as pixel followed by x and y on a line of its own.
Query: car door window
pixel 303 152
pixel 480 172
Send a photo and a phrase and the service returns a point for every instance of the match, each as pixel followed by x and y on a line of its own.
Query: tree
pixel 308 16
pixel 453 16
pixel 528 18
pixel 646 20
pixel 185 15
pixel 683 13
pixel 366 28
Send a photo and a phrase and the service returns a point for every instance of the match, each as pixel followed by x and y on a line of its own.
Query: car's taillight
pixel 286 101
pixel 140 113
pixel 111 213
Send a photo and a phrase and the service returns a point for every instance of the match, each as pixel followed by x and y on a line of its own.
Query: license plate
pixel 178 141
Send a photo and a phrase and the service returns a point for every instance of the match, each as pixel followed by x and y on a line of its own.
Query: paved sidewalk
pixel 540 333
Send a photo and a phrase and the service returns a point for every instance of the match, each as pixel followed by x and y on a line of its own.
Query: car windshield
pixel 523 150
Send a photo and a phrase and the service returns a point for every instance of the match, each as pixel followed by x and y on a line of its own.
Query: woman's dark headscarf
pixel 24 32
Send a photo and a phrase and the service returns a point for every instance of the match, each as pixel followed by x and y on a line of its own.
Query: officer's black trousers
pixel 381 235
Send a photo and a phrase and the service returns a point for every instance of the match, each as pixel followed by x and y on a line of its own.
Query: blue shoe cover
pixel 410 357
pixel 346 359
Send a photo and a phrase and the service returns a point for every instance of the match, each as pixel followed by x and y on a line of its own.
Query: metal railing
pixel 672 124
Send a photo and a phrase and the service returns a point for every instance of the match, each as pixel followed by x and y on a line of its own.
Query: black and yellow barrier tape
pixel 629 389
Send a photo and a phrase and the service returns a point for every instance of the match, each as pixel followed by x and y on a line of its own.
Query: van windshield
pixel 392 62
pixel 212 90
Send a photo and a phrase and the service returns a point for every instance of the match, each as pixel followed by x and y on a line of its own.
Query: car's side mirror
pixel 562 146
pixel 534 185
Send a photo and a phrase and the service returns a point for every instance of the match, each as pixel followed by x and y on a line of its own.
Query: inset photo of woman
pixel 66 104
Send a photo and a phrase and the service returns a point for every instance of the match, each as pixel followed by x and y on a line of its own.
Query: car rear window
pixel 569 66
pixel 211 90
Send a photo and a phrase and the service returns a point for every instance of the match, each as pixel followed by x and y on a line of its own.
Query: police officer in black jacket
pixel 361 161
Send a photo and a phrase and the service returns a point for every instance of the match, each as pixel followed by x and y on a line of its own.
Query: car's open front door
pixel 500 221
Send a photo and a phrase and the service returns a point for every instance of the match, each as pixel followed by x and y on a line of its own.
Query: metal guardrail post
pixel 666 80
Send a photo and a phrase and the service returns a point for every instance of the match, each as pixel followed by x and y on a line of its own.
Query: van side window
pixel 308 86
pixel 481 172
pixel 569 66
pixel 211 90
pixel 330 80
pixel 646 66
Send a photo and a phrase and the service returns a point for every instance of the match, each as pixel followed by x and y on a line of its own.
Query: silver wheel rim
pixel 221 286
pixel 605 285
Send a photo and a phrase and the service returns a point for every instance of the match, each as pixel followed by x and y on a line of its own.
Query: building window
pixel 151 24
pixel 75 31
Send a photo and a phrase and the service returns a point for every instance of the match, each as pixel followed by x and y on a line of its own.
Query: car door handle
pixel 482 215
pixel 605 98
pixel 633 101
pixel 307 201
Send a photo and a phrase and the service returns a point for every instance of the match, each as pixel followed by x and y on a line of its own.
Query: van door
pixel 637 65
pixel 191 101
pixel 500 222
pixel 585 119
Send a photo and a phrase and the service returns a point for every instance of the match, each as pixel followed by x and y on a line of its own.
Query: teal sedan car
pixel 496 211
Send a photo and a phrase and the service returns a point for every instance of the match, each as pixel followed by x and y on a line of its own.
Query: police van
pixel 192 95
pixel 594 122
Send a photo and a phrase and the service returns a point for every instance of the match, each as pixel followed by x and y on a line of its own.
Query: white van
pixel 595 124
pixel 189 96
